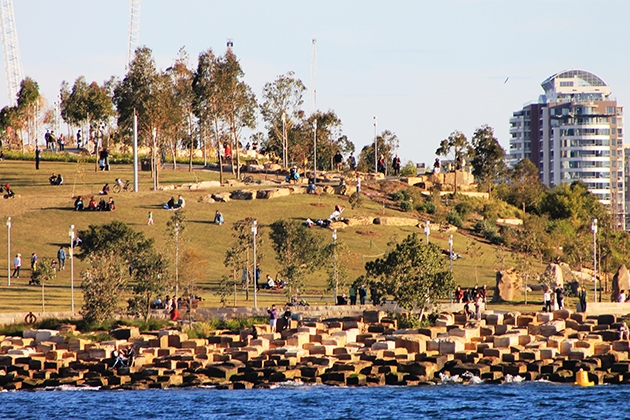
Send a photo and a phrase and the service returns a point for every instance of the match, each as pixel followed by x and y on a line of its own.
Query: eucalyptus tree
pixel 28 103
pixel 387 143
pixel 208 106
pixel 487 157
pixel 239 102
pixel 458 146
pixel 282 99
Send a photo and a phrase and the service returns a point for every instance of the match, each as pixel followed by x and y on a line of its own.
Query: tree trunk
pixel 218 140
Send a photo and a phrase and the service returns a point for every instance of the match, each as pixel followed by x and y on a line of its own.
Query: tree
pixel 413 273
pixel 43 274
pixel 297 251
pixel 523 187
pixel 193 269
pixel 239 103
pixel 282 97
pixel 335 258
pixel 207 102
pixel 330 138
pixel 85 102
pixel 456 145
pixel 27 110
pixel 487 157
pixel 144 92
pixel 110 250
pixel 102 285
pixel 387 143
pixel 475 252
pixel 175 227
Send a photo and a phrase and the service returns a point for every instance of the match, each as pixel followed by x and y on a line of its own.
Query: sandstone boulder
pixel 207 199
pixel 395 221
pixel 273 193
pixel 508 286
pixel 221 197
pixel 555 274
pixel 621 281
pixel 243 195
pixel 359 221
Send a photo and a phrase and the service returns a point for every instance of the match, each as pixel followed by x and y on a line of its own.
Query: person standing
pixel 352 162
pixel 582 297
pixel 362 294
pixel 38 157
pixel 17 264
pixel 396 165
pixel 150 222
pixel 547 300
pixel 61 256
pixel 560 297
pixel 33 262
pixel 338 160
pixel 353 295
pixel 273 317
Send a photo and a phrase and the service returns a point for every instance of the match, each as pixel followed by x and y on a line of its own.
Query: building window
pixel 610 110
pixel 566 84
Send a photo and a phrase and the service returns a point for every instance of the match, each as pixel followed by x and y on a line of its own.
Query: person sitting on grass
pixel 218 218
pixel 105 190
pixel 181 203
pixel 78 203
pixel 110 205
pixel 92 204
pixel 170 204
pixel 8 191
pixel 53 179
pixel 102 205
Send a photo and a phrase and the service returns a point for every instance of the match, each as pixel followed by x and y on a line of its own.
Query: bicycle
pixel 247 179
pixel 122 186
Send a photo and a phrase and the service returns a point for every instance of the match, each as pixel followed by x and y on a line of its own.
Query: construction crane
pixel 134 30
pixel 11 50
pixel 312 89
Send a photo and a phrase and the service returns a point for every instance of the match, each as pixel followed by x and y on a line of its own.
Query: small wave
pixel 447 379
pixel 291 384
pixel 71 388
pixel 509 379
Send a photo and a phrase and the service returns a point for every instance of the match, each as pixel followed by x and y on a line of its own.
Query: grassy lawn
pixel 42 214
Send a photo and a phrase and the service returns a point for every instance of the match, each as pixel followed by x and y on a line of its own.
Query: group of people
pixel 175 205
pixel 92 205
pixel 354 291
pixel 554 299
pixel 59 263
pixel 273 319
pixel 335 216
pixel 475 296
pixel 55 179
pixel 124 357
pixel 272 284
pixel 53 142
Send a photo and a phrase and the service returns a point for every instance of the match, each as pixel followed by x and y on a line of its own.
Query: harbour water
pixel 528 400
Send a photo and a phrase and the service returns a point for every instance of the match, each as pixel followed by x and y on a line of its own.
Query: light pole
pixel 9 251
pixel 375 147
pixel 71 236
pixel 176 258
pixel 284 141
pixel 314 152
pixel 450 257
pixel 254 234
pixel 427 230
pixel 335 276
pixel 594 230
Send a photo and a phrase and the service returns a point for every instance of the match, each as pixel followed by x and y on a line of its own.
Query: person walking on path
pixel 61 256
pixel 150 222
pixel 273 317
pixel 17 264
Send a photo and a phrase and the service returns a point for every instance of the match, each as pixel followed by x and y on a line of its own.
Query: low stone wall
pixel 17 317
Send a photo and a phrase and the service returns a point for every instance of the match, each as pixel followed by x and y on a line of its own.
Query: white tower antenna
pixel 312 88
pixel 11 50
pixel 134 30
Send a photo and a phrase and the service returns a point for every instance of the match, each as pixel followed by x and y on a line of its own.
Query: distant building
pixel 574 132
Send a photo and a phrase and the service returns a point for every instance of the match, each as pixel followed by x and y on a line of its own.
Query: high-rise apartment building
pixel 574 132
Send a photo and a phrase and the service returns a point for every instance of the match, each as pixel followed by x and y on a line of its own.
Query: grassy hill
pixel 42 214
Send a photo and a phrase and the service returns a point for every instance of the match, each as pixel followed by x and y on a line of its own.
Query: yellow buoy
pixel 581 379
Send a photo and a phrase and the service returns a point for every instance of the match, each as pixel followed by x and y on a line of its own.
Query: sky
pixel 423 68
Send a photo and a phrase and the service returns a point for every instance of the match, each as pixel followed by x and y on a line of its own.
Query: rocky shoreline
pixel 365 350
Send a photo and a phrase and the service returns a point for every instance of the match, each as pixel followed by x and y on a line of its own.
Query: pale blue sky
pixel 424 68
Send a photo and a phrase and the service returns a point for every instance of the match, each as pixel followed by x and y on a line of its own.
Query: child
pixel 150 222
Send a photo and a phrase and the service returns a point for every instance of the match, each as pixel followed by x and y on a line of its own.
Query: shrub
pixel 406 206
pixel 454 219
pixel 463 208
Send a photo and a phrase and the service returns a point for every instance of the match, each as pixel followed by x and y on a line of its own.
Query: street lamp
pixel 314 152
pixel 9 250
pixel 427 230
pixel 335 276
pixel 450 257
pixel 594 230
pixel 254 234
pixel 71 236
pixel 284 141
pixel 375 147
